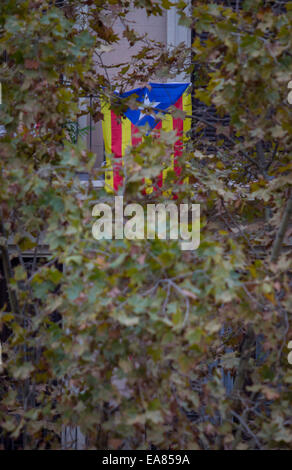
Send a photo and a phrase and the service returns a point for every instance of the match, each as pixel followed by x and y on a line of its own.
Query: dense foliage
pixel 125 338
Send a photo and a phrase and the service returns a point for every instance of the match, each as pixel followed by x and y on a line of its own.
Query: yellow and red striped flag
pixel 120 133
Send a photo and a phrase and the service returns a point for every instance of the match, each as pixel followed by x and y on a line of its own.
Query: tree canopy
pixel 137 342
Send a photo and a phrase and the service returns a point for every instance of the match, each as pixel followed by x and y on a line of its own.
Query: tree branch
pixel 8 274
pixel 282 230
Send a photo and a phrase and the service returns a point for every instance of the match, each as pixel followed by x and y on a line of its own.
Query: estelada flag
pixel 119 133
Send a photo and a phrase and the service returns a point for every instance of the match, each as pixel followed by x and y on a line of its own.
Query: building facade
pixel 164 29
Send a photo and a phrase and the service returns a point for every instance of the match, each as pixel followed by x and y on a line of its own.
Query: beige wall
pixel 155 27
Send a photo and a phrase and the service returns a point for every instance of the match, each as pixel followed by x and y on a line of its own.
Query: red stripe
pixel 116 147
pixel 178 126
pixel 158 125
pixel 135 140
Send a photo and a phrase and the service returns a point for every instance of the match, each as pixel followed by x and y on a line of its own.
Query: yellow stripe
pixel 167 123
pixel 187 107
pixel 107 138
pixel 148 188
pixel 126 134
pixel 148 182
pixel 167 126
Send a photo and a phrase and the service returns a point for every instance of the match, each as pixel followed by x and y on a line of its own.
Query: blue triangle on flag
pixel 159 97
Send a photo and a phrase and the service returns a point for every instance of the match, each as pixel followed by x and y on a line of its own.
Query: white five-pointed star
pixel 146 105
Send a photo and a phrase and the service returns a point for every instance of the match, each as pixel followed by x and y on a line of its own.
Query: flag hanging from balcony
pixel 119 133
